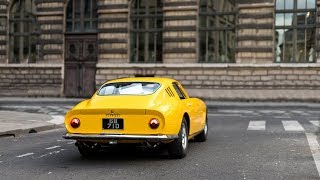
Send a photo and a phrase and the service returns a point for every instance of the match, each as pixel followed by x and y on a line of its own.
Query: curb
pixel 20 132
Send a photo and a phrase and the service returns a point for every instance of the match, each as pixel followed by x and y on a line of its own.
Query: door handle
pixel 189 104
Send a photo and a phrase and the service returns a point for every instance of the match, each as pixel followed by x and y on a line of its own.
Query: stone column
pixel 113 31
pixel 3 31
pixel 255 33
pixel 180 31
pixel 50 16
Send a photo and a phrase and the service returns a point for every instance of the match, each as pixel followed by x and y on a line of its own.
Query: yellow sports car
pixel 147 111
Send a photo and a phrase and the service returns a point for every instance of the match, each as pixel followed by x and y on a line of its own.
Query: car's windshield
pixel 129 88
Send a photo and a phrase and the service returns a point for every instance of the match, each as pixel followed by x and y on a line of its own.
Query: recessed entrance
pixel 80 48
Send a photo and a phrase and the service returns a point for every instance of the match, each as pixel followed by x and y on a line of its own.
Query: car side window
pixel 178 90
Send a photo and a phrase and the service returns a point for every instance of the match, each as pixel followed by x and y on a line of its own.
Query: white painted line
pixel 315 149
pixel 70 142
pixel 316 123
pixel 236 111
pixel 282 117
pixel 56 120
pixel 272 112
pixel 257 126
pixel 52 153
pixel 292 126
pixel 53 147
pixel 24 155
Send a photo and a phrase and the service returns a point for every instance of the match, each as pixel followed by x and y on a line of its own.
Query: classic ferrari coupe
pixel 144 111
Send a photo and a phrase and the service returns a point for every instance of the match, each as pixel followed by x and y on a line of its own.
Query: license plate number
pixel 112 123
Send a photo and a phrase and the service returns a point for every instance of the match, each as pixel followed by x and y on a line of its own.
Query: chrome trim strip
pixel 118 136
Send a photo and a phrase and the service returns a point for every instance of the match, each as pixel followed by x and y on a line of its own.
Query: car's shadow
pixel 128 153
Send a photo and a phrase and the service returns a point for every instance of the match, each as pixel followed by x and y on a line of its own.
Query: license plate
pixel 112 123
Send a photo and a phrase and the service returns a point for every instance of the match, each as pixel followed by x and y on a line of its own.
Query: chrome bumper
pixel 119 137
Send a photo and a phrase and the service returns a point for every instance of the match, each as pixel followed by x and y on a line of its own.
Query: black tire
pixel 202 137
pixel 177 149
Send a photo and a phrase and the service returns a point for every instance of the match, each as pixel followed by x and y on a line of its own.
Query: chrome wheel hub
pixel 206 129
pixel 184 137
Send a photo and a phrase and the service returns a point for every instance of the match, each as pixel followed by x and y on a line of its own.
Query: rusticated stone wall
pixel 50 16
pixel 30 80
pixel 3 31
pixel 274 82
pixel 180 31
pixel 113 31
pixel 255 31
pixel 222 77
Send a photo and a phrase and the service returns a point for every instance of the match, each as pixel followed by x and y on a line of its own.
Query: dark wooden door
pixel 80 65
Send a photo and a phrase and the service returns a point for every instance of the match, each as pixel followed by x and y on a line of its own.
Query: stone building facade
pixel 216 49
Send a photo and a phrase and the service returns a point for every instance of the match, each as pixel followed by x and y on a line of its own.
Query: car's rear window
pixel 128 88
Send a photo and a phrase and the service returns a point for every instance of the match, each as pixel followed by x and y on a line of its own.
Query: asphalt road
pixel 281 145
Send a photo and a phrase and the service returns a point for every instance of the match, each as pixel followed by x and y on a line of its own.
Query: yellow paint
pixel 138 110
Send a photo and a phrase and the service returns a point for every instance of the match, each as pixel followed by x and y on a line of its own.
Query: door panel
pixel 80 65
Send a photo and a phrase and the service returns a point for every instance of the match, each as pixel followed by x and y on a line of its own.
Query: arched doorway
pixel 80 48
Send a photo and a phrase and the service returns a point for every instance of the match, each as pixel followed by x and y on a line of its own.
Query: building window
pixel 217 31
pixel 81 16
pixel 146 21
pixel 24 32
pixel 295 28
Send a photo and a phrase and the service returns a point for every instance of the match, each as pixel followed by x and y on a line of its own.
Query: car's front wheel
pixel 178 148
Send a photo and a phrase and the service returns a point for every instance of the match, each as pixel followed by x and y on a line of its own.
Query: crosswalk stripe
pixel 292 126
pixel 257 126
pixel 314 147
pixel 316 123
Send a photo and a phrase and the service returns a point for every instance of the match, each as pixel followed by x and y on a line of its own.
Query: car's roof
pixel 143 79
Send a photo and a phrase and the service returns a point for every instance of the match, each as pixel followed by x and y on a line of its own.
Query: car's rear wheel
pixel 87 149
pixel 202 137
pixel 178 148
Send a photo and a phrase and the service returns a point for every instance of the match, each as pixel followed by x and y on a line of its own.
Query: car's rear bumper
pixel 119 137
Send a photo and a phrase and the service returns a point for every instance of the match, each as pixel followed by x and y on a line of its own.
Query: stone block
pixel 202 77
pixel 292 77
pixel 260 72
pixel 190 77
pixel 233 72
pixel 184 72
pixel 220 72
pixel 281 77
pixel 267 78
pixel 274 71
pixel 196 82
pixel 179 77
pixel 245 72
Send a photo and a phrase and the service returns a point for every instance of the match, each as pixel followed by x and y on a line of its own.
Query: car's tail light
pixel 75 123
pixel 154 123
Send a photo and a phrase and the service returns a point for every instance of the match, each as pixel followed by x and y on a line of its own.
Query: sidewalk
pixel 38 101
pixel 19 123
